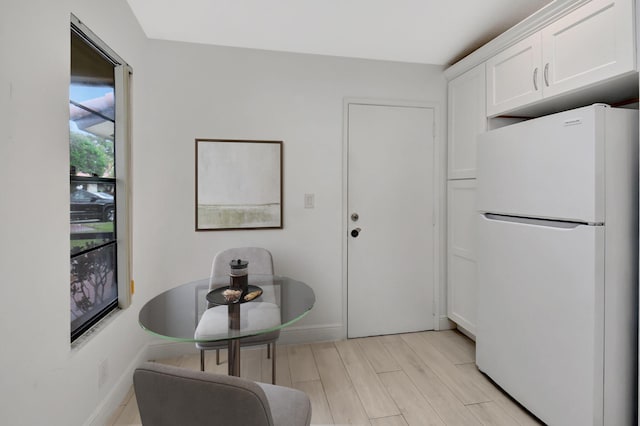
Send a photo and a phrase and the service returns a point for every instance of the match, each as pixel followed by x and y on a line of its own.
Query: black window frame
pixel 114 243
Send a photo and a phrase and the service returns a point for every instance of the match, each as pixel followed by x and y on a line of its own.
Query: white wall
pixel 198 91
pixel 43 380
pixel 181 91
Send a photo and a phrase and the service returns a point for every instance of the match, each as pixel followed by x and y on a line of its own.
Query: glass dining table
pixel 198 311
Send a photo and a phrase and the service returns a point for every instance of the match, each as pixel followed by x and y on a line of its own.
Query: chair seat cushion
pixel 289 407
pixel 259 339
pixel 214 323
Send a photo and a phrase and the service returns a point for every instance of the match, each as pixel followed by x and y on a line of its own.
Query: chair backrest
pixel 170 396
pixel 260 260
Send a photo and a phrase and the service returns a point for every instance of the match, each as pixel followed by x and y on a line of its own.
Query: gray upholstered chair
pixel 170 396
pixel 260 262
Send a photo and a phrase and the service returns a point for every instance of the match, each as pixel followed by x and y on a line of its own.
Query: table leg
pixel 234 357
pixel 233 345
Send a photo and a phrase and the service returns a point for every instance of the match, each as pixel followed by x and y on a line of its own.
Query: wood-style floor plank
pixel 373 394
pixel 190 362
pixel 283 375
pixel 512 408
pixel 210 362
pixel 129 414
pixel 251 364
pixel 457 348
pixel 389 421
pixel 378 355
pixel 175 361
pixel 419 373
pixel 301 364
pixel 344 403
pixel 415 409
pixel 466 390
pixel 320 412
pixel 450 409
pixel 491 414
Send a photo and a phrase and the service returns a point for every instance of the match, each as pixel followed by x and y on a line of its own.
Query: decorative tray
pixel 216 296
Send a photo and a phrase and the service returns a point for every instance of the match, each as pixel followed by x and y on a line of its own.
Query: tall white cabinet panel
pixel 513 76
pixel 461 256
pixel 591 44
pixel 467 118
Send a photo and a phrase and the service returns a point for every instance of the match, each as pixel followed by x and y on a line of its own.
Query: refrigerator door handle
pixel 548 223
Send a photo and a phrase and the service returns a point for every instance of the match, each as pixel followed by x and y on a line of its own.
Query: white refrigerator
pixel 557 264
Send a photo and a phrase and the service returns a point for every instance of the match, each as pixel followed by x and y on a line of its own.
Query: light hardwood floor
pixel 427 378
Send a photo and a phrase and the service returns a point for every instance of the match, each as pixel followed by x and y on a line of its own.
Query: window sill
pixel 93 331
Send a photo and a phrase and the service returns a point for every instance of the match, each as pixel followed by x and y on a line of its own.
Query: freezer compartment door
pixel 550 167
pixel 540 315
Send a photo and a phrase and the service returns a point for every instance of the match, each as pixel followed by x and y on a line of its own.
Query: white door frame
pixel 439 168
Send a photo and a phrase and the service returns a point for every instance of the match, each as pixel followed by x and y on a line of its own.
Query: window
pixel 98 194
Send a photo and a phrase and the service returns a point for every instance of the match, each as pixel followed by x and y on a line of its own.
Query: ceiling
pixel 421 31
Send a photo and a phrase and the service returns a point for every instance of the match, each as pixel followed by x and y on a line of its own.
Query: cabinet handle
pixel 535 78
pixel 546 74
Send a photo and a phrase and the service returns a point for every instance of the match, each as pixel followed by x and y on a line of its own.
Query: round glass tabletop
pixel 185 313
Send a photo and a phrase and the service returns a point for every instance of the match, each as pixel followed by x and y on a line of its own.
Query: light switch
pixel 309 201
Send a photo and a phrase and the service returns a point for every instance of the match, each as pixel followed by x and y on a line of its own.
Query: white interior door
pixel 391 190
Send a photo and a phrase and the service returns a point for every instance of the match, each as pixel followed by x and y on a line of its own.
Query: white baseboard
pixel 445 323
pixel 116 396
pixel 466 332
pixel 312 334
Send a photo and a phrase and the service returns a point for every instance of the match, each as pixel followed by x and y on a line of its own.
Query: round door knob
pixel 355 232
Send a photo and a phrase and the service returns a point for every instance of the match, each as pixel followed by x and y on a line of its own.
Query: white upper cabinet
pixel 513 76
pixel 591 44
pixel 467 118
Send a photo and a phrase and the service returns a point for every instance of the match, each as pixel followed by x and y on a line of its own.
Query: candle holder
pixel 239 275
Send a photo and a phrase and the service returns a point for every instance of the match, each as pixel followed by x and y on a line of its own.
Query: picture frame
pixel 238 184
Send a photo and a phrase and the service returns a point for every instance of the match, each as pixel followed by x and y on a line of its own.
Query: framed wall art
pixel 238 184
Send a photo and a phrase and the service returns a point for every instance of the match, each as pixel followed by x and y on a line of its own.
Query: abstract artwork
pixel 238 184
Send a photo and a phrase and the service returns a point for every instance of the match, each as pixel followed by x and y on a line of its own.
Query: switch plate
pixel 309 201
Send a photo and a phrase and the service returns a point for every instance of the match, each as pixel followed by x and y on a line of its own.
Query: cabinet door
pixel 591 44
pixel 514 76
pixel 467 118
pixel 461 256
